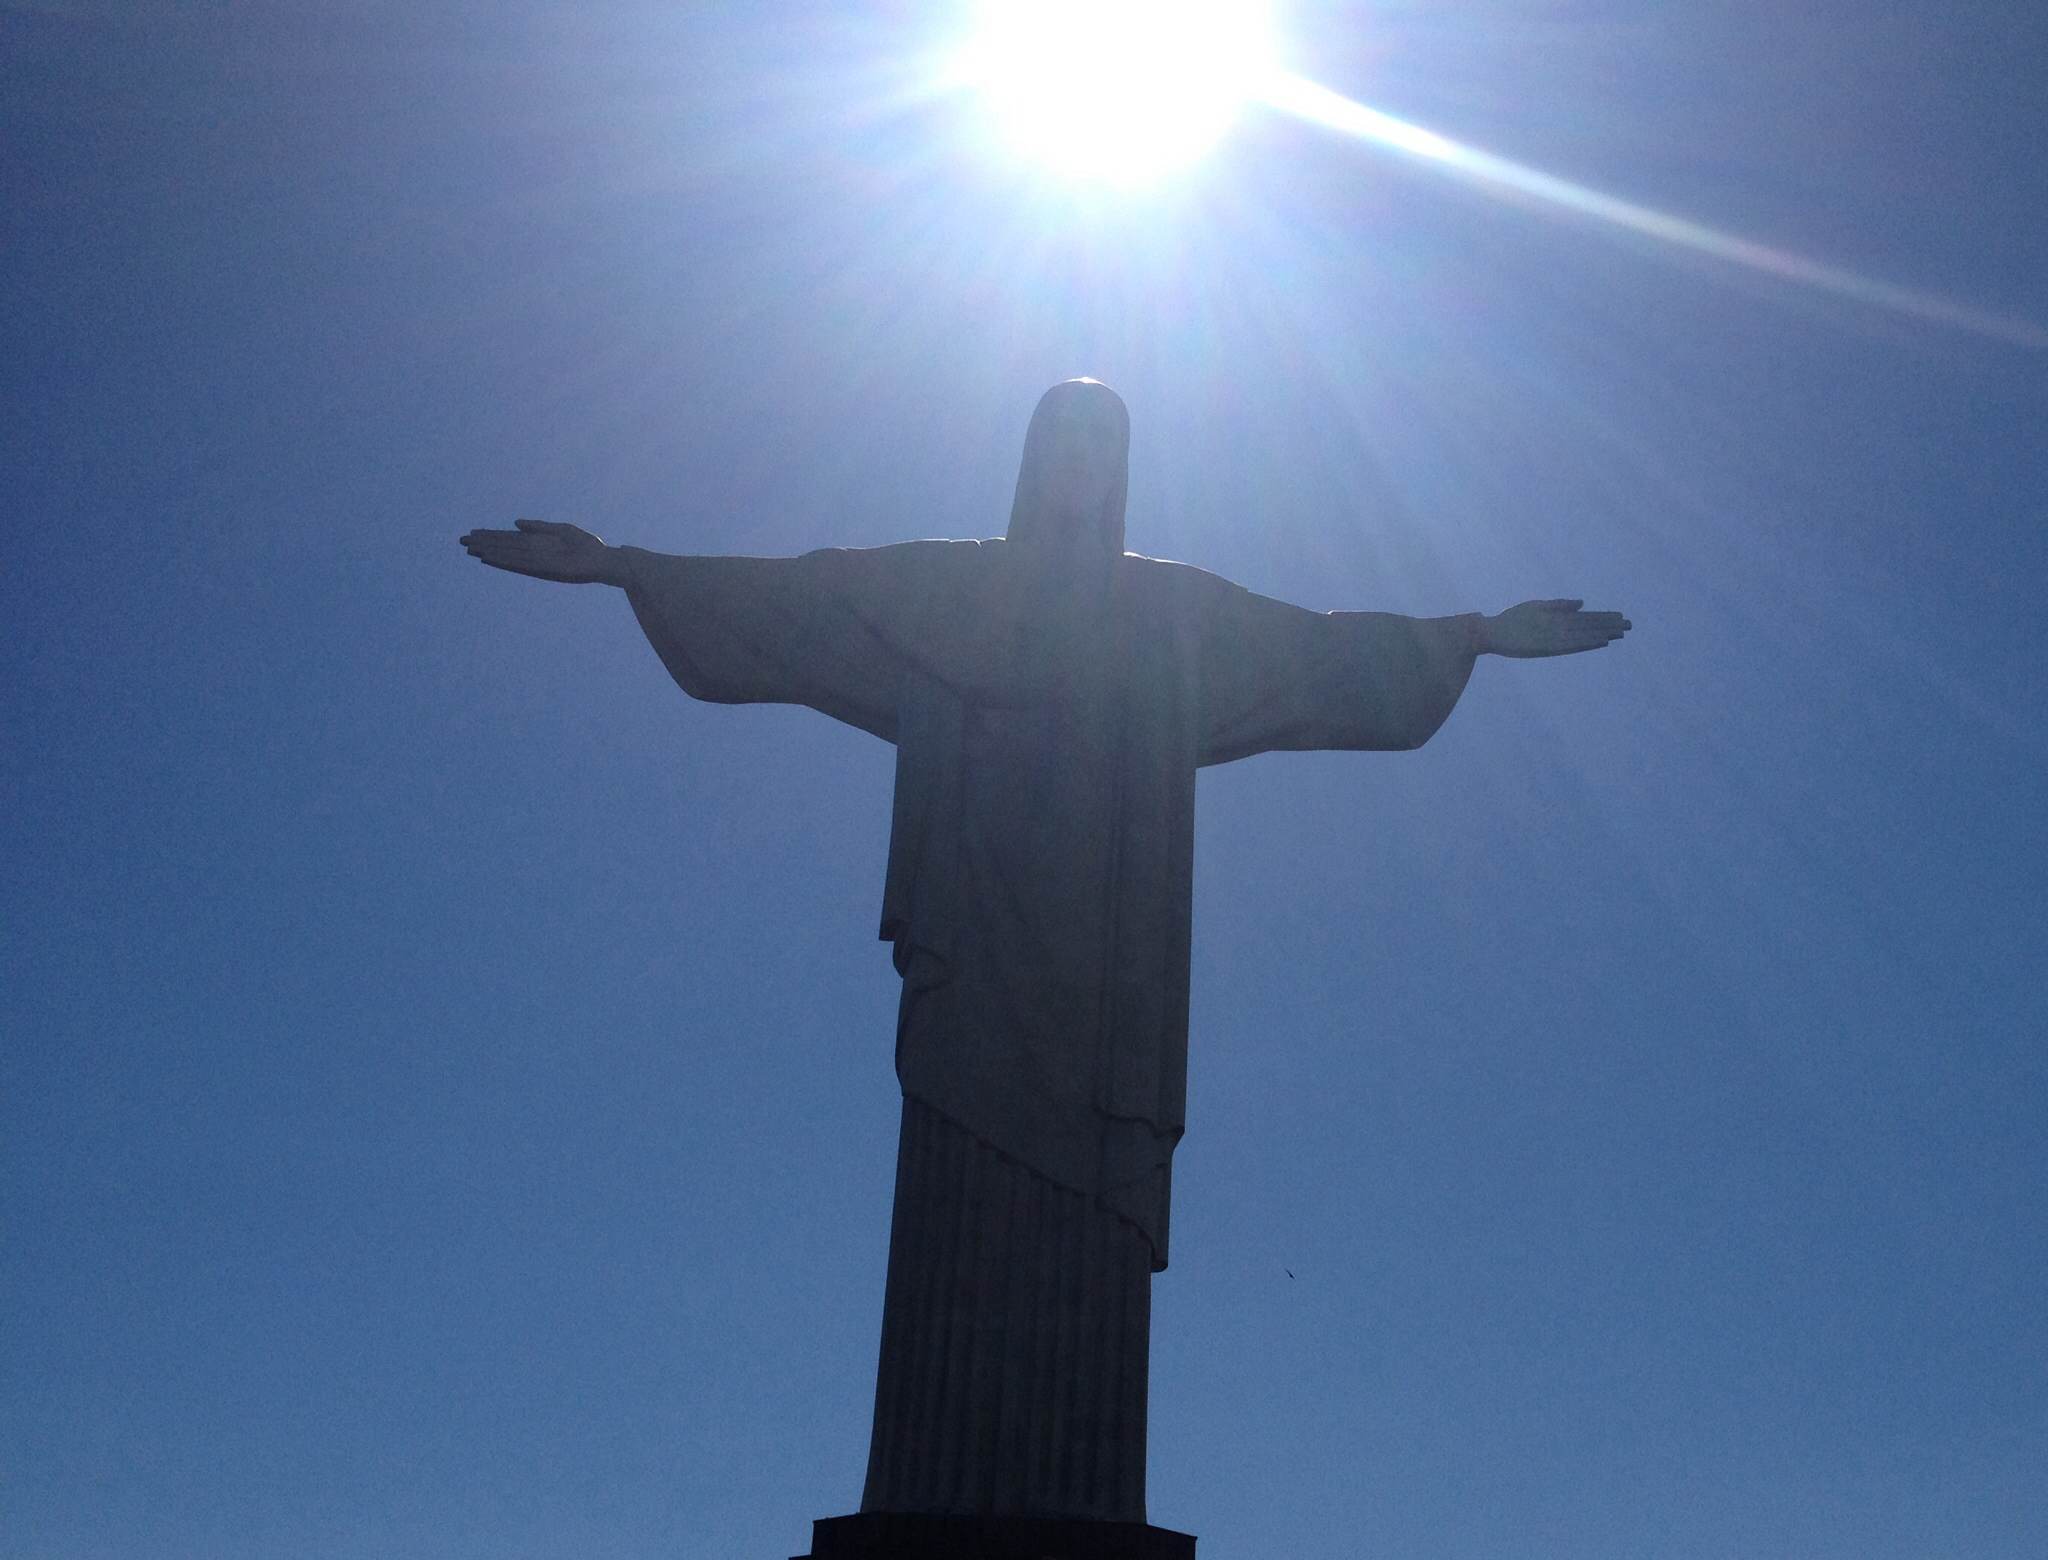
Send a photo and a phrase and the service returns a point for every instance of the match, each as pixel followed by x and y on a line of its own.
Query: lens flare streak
pixel 1332 110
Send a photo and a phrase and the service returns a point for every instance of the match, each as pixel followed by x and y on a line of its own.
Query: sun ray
pixel 1332 110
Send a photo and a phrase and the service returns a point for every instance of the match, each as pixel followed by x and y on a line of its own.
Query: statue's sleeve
pixel 831 629
pixel 1275 676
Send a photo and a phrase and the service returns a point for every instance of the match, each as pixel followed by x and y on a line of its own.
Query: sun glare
pixel 1117 91
pixel 1319 105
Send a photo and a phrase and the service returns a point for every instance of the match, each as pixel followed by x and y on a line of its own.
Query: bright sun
pixel 1117 90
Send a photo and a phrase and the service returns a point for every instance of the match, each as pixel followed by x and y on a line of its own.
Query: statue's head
pixel 1070 489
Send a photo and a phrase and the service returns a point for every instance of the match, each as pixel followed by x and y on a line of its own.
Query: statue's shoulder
pixel 919 565
pixel 927 551
pixel 1163 582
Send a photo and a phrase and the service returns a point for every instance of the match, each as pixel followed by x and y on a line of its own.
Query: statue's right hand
pixel 547 550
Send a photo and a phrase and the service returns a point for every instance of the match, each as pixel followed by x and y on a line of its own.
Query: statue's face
pixel 1084 451
pixel 1070 488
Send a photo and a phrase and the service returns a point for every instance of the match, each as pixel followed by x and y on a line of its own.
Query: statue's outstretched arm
pixel 1548 628
pixel 550 550
pixel 1279 677
pixel 826 629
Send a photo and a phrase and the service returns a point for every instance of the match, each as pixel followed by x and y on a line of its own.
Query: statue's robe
pixel 1048 728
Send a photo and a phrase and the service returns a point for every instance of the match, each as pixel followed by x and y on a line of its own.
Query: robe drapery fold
pixel 1015 1340
pixel 1048 731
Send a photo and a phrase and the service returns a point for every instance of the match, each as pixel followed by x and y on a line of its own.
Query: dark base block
pixel 888 1535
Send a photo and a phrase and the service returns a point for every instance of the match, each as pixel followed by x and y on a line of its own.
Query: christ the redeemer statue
pixel 1050 697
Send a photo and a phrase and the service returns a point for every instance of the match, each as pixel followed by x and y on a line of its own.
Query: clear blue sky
pixel 447 1101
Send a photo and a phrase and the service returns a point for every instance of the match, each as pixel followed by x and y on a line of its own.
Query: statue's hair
pixel 1029 515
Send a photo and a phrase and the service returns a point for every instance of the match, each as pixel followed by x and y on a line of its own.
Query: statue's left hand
pixel 1551 628
pixel 547 550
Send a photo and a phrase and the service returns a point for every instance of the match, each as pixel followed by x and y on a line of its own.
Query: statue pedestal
pixel 888 1535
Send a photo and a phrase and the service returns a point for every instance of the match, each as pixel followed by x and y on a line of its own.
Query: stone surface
pixel 893 1536
pixel 1050 697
